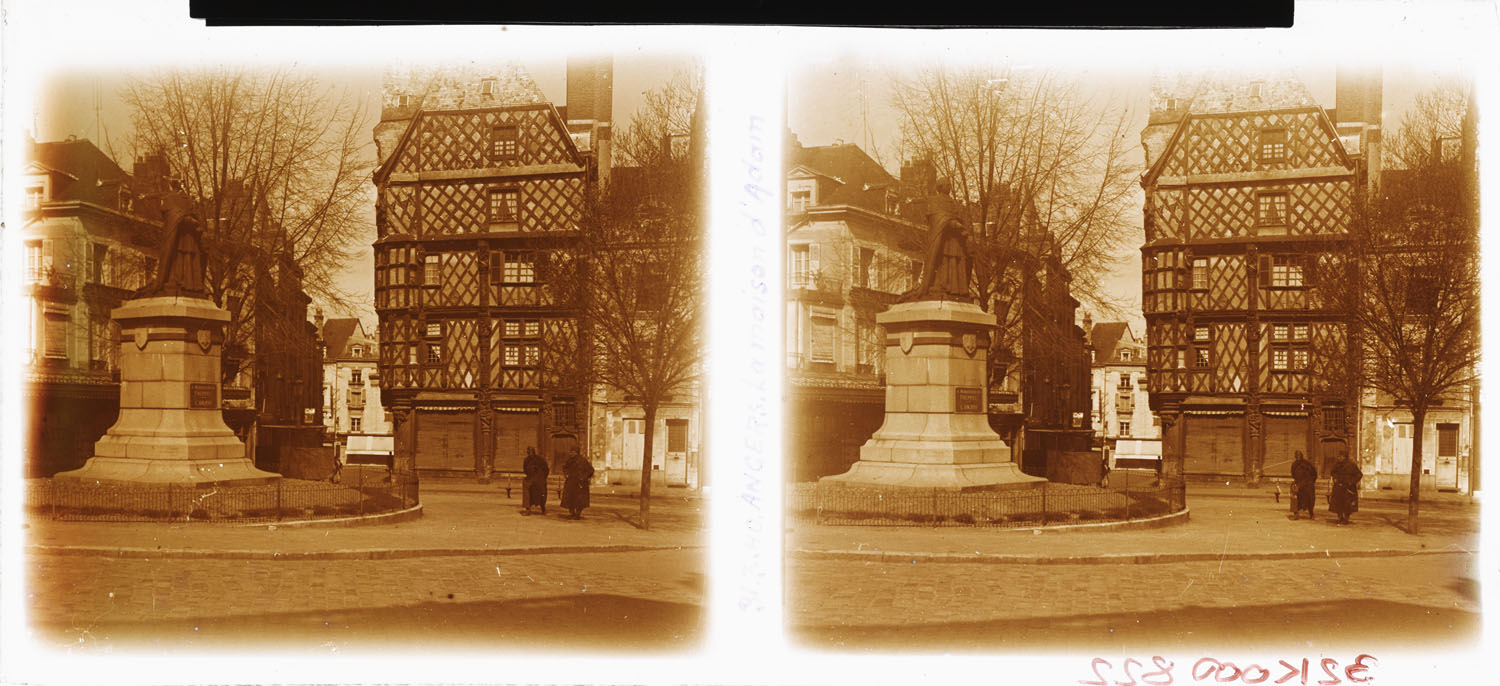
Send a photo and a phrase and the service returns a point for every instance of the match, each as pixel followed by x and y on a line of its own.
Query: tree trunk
pixel 650 408
pixel 1418 417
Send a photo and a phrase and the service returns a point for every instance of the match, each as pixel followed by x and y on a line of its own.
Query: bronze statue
pixel 946 273
pixel 179 270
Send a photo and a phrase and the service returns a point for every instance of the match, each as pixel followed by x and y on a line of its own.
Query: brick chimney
pixel 1357 117
pixel 590 109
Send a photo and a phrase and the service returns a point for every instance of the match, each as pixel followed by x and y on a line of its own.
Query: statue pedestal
pixel 936 433
pixel 171 427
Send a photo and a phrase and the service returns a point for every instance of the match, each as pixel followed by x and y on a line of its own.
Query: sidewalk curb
pixel 365 554
pixel 410 513
pixel 1120 558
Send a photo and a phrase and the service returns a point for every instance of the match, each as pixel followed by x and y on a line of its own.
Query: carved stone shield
pixel 971 343
pixel 141 336
pixel 205 339
pixel 907 338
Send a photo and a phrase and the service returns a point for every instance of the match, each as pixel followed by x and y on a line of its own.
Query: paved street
pixel 598 601
pixel 1239 571
pixel 472 571
pixel 846 604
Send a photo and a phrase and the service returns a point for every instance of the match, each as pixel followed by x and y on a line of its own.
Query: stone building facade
pixel 1120 405
pixel 352 411
pixel 88 242
pixel 850 254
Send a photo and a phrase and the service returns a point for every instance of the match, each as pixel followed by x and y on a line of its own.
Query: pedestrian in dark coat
pixel 1343 495
pixel 1306 477
pixel 534 490
pixel 575 494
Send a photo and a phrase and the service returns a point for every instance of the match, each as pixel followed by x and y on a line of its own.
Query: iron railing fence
pixel 358 490
pixel 1126 496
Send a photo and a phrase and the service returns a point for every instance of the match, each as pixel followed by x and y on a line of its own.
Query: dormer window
pixel 403 100
pixel 504 142
pixel 359 351
pixel 487 87
pixel 1272 145
pixel 1257 89
pixel 1125 355
pixel 801 200
pixel 800 194
pixel 36 194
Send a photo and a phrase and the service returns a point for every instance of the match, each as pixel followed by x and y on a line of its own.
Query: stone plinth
pixel 171 429
pixel 936 432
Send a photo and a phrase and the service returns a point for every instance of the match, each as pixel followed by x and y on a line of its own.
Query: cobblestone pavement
pixel 626 600
pixel 965 606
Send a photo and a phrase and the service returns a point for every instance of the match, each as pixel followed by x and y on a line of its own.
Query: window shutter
pixel 854 263
pixel 1310 270
pixel 497 266
pixel 812 258
pixel 822 340
pixel 1265 270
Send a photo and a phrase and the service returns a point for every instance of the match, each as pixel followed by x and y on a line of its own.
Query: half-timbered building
pixel 480 186
pixel 1249 189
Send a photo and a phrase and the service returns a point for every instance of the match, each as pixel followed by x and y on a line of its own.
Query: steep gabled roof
pixel 1106 338
pixel 336 334
pixel 91 175
pixel 1222 94
pixel 863 182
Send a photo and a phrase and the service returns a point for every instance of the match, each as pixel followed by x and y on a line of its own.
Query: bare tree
pixel 637 280
pixel 278 167
pixel 1434 121
pixel 1409 285
pixel 1027 155
pixel 1042 173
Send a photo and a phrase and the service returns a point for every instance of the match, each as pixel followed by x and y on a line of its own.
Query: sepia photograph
pixel 1129 359
pixel 757 354
pixel 335 357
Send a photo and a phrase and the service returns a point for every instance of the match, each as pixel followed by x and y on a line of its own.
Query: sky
pixel 87 104
pixel 846 97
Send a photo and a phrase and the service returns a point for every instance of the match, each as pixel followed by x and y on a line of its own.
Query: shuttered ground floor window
pixel 514 433
pixel 1447 440
pixel 677 435
pixel 1214 445
pixel 1285 436
pixel 445 440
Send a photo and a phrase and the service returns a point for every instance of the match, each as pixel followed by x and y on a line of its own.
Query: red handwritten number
pixel 1128 675
pixel 1292 671
pixel 1095 666
pixel 1329 666
pixel 1360 666
pixel 1264 674
pixel 1219 676
pixel 1213 666
pixel 1163 671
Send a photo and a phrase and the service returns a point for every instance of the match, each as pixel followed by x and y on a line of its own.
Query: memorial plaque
pixel 968 399
pixel 203 396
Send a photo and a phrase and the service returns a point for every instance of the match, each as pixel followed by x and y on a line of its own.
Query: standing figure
pixel 1306 477
pixel 534 487
pixel 946 273
pixel 1343 496
pixel 575 493
pixel 179 270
